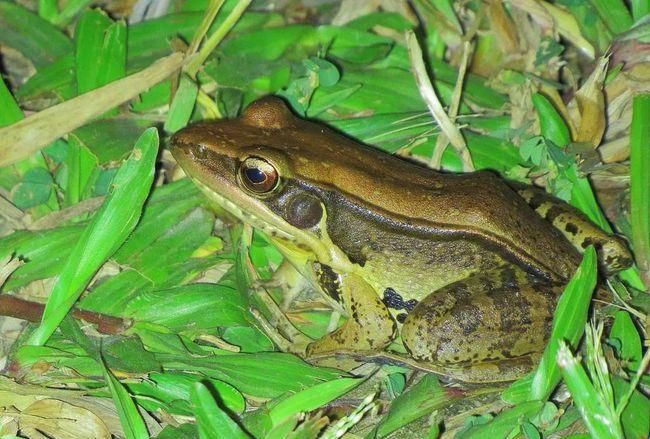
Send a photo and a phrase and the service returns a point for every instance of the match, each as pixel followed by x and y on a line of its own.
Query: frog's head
pixel 267 168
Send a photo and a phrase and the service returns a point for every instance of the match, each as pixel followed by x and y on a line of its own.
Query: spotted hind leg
pixel 491 326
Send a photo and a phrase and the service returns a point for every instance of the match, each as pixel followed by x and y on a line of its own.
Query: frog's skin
pixel 463 269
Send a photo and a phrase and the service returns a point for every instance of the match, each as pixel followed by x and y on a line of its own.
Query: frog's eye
pixel 258 175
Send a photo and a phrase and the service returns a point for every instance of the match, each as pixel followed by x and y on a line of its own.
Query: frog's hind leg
pixel 369 327
pixel 613 254
pixel 489 327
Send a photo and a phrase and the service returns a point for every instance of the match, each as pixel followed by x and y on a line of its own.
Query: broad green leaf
pixel 265 375
pixel 10 112
pixel 419 400
pixel 211 420
pixel 45 251
pixel 552 126
pixel 504 423
pixel 614 14
pixel 640 9
pixel 183 307
pixel 34 189
pixel 70 9
pixel 166 262
pixel 311 398
pixel 628 339
pixel 636 415
pixel 640 183
pixel 110 140
pixel 100 55
pixel 54 82
pixel 34 37
pixel 170 391
pixel 81 163
pixel 182 105
pixel 106 232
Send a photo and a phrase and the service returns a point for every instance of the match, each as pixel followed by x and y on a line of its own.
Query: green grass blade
pixel 10 112
pixel 100 50
pixel 211 420
pixel 181 108
pixel 81 164
pixel 217 36
pixel 312 398
pixel 640 184
pixel 614 14
pixel 211 11
pixel 132 423
pixel 446 8
pixel 103 236
pixel 504 423
pixel 551 124
pixel 601 422
pixel 31 35
pixel 48 9
pixel 568 324
pixel 70 10
pixel 419 400
pixel 640 8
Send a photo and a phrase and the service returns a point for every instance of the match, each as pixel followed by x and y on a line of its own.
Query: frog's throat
pixel 255 213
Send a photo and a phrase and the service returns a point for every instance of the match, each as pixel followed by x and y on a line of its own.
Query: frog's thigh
pixel 369 326
pixel 490 317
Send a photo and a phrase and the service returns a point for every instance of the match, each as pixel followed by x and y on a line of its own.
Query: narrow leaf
pixel 568 324
pixel 601 422
pixel 132 423
pixel 106 232
pixel 640 184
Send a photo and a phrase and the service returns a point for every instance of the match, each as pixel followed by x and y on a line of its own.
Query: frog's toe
pixel 297 344
pixel 279 329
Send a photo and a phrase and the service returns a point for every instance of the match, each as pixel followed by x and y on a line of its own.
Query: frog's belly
pixel 413 268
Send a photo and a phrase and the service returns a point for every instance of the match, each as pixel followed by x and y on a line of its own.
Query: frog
pixel 463 271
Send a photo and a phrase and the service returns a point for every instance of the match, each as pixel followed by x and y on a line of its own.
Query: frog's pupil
pixel 255 175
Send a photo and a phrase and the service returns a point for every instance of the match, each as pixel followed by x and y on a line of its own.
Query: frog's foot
pixel 279 329
pixel 369 327
pixel 488 372
pixel 289 280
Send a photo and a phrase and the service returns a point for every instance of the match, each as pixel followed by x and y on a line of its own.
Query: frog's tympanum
pixel 464 270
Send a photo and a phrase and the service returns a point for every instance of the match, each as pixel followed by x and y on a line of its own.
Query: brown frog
pixel 463 269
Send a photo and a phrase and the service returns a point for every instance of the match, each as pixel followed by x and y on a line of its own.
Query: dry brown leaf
pixel 587 108
pixel 20 140
pixel 503 28
pixel 61 420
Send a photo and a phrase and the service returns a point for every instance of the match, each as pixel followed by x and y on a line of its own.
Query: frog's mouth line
pixel 269 224
pixel 251 211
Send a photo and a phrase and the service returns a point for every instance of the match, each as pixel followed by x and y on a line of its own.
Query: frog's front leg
pixel 491 326
pixel 369 326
